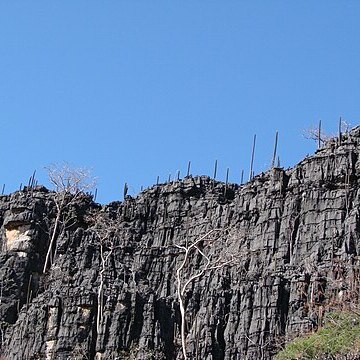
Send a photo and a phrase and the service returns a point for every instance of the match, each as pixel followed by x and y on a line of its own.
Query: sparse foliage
pixel 69 183
pixel 70 180
pixel 313 133
pixel 345 126
pixel 339 336
pixel 317 134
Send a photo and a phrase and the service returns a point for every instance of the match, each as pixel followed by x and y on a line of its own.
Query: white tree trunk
pixel 53 236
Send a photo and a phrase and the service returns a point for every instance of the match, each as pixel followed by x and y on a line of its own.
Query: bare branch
pixel 68 179
pixel 69 183
pixel 312 133
pixel 210 264
pixel 345 126
pixel 105 230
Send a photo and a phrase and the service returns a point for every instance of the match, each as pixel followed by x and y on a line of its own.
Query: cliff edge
pixel 289 240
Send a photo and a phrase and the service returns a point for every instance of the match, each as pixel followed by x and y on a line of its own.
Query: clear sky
pixel 136 89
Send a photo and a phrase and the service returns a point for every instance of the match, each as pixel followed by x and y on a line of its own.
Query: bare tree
pixel 106 232
pixel 69 184
pixel 344 126
pixel 203 246
pixel 317 134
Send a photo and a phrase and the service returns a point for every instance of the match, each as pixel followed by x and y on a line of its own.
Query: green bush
pixel 339 335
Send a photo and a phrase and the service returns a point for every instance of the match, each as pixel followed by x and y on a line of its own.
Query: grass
pixel 339 336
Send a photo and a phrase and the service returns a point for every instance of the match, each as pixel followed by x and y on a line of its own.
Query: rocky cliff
pixel 286 244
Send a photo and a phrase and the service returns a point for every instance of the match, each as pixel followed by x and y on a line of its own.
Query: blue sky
pixel 136 89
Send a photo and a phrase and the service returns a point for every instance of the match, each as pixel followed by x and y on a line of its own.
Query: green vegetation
pixel 339 336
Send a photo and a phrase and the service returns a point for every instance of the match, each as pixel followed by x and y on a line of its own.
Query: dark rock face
pixel 294 235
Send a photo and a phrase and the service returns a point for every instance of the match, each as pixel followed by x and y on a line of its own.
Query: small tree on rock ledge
pixel 69 184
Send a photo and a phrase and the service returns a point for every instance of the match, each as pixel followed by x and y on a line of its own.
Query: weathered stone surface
pixel 294 234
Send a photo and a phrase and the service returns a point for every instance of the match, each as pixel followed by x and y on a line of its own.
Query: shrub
pixel 339 336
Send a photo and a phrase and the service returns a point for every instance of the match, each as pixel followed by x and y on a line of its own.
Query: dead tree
pixel 275 149
pixel 69 183
pixel 252 159
pixel 210 262
pixel 317 134
pixel 106 233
